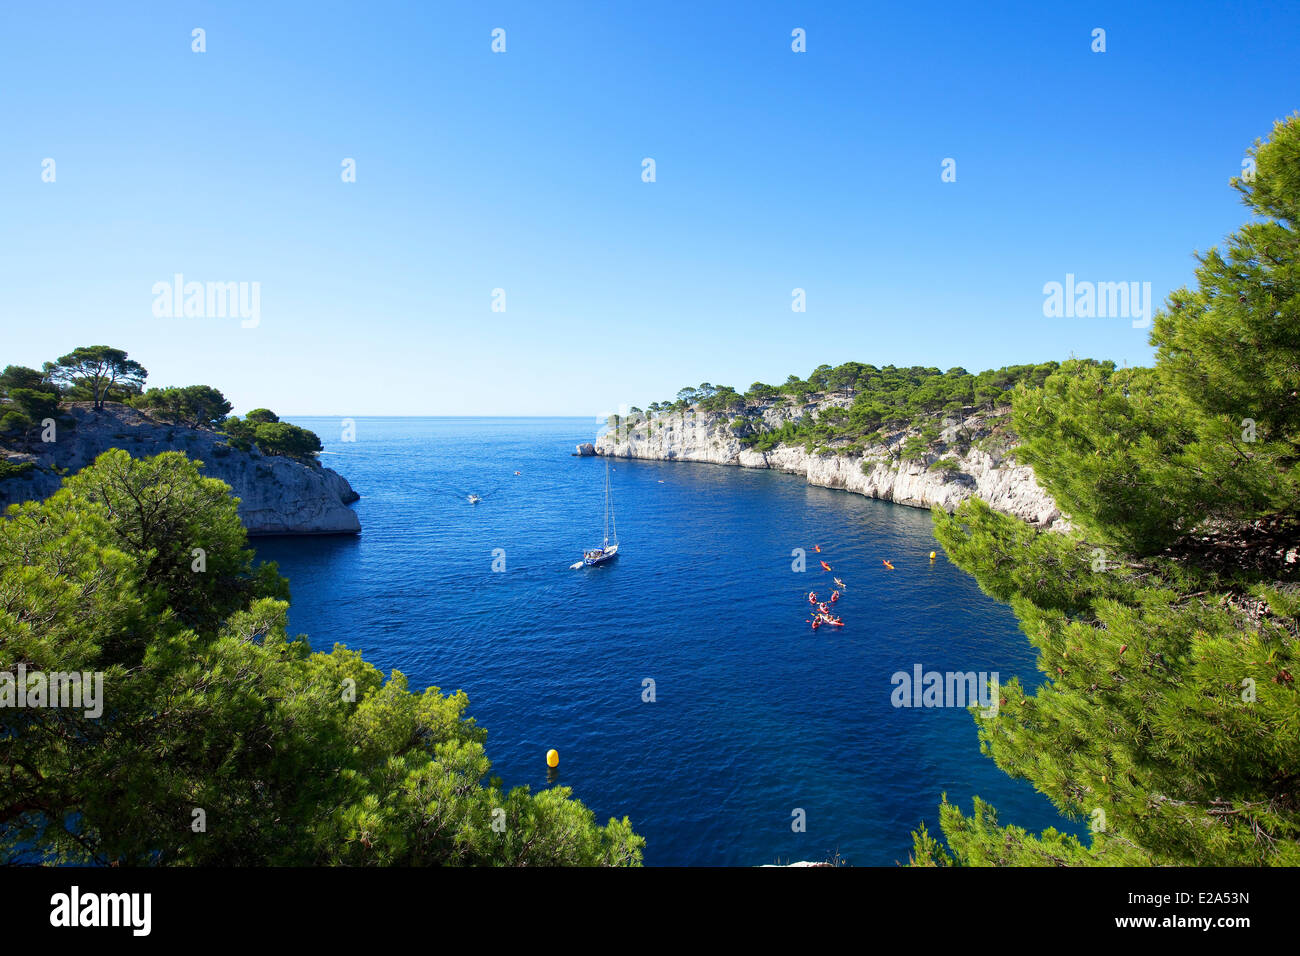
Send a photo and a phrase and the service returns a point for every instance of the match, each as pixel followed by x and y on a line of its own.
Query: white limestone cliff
pixel 989 473
pixel 277 495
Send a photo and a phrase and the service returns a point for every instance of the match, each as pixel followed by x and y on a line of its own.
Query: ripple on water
pixel 755 714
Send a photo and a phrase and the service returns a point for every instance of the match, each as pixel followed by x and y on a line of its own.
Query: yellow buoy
pixel 552 758
pixel 931 555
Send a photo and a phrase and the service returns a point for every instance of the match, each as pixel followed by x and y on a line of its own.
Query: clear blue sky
pixel 522 171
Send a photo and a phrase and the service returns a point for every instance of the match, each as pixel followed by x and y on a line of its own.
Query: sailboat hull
pixel 592 558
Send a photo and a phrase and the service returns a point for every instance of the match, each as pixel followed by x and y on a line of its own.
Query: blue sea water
pixel 755 716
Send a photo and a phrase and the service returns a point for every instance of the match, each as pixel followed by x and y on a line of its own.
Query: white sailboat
pixel 607 551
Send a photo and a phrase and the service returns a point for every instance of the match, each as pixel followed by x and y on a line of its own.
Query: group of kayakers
pixel 822 613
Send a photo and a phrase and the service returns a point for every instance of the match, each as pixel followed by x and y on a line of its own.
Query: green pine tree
pixel 1166 621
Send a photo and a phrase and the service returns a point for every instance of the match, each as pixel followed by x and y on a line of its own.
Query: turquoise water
pixel 755 715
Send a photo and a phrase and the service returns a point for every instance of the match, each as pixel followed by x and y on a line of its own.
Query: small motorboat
pixel 473 499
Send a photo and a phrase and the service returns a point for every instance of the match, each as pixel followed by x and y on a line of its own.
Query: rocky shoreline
pixel 277 495
pixel 987 472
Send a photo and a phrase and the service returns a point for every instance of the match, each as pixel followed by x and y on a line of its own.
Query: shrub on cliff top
pixel 19 376
pixel 888 397
pixel 27 408
pixel 197 406
pixel 274 437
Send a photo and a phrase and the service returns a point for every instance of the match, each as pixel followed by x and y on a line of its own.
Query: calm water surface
pixel 755 715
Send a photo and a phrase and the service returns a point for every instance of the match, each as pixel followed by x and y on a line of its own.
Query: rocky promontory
pixel 976 463
pixel 277 495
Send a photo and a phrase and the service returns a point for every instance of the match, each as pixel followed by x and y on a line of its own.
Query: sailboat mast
pixel 606 539
pixel 609 503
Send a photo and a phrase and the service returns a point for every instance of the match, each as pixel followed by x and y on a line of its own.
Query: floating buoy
pixel 552 758
pixel 931 555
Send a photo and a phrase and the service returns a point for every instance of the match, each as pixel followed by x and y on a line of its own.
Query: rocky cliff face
pixel 276 495
pixel 987 472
